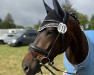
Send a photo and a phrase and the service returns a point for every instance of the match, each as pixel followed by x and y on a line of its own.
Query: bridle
pixel 52 23
pixel 47 54
pixel 48 57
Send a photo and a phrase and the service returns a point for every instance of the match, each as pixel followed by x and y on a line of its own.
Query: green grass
pixel 11 58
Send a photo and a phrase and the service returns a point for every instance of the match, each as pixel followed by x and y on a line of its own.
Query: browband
pixel 48 25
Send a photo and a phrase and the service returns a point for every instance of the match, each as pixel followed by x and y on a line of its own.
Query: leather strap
pixel 37 49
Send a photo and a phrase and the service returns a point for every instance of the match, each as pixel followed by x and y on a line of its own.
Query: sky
pixel 29 12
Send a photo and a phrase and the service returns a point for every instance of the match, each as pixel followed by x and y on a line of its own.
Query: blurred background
pixel 30 13
pixel 19 22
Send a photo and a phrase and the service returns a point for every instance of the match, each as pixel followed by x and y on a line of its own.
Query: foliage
pixel 92 22
pixel 19 26
pixel 83 19
pixel 7 25
pixel 9 18
pixel 28 28
pixel 36 26
pixel 8 22
pixel 0 25
pixel 0 20
pixel 68 7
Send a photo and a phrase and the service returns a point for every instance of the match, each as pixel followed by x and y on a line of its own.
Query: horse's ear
pixel 47 7
pixel 57 7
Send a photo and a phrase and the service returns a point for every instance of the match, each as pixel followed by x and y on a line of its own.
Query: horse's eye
pixel 50 33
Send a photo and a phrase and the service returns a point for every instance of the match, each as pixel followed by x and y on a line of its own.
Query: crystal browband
pixel 48 25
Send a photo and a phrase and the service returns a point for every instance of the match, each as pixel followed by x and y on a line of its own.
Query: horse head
pixel 53 39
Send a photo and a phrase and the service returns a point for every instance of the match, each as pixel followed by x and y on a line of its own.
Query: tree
pixel 83 19
pixel 19 26
pixel 68 7
pixel 36 26
pixel 9 18
pixel 0 23
pixel 8 22
pixel 28 28
pixel 92 22
pixel 0 20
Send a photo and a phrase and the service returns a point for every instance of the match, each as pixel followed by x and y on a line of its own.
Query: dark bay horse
pixel 60 33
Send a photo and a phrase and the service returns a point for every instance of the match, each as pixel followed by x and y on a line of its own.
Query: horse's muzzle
pixel 31 70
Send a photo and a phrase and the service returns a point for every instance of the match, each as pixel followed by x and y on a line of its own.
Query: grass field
pixel 11 58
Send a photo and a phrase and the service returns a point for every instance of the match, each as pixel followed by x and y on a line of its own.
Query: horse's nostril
pixel 25 68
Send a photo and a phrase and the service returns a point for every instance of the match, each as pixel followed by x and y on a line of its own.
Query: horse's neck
pixel 78 49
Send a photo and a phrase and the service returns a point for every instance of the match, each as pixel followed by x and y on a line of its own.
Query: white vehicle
pixel 3 37
pixel 6 33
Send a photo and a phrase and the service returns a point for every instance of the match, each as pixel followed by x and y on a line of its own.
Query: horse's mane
pixel 75 17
